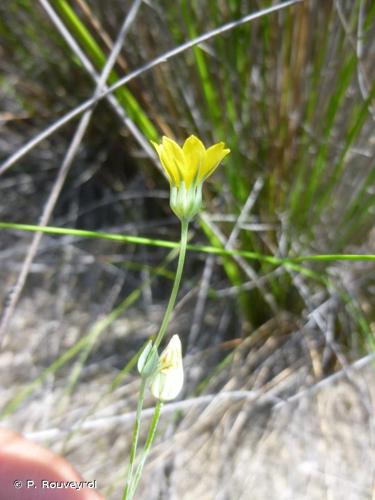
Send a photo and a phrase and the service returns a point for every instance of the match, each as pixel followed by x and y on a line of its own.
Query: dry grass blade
pixel 259 397
pixel 63 171
pixel 210 262
pixel 357 45
pixel 101 79
pixel 134 74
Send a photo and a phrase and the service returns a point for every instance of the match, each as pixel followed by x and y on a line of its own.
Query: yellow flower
pixel 187 167
pixel 168 378
pixel 192 162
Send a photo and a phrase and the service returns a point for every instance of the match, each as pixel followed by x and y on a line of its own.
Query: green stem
pixel 133 451
pixel 176 284
pixel 146 450
pixel 131 484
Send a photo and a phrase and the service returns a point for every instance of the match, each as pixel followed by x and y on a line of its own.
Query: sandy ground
pixel 285 433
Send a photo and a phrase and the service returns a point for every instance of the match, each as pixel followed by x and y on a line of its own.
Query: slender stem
pixel 131 484
pixel 135 437
pixel 146 450
pixel 176 284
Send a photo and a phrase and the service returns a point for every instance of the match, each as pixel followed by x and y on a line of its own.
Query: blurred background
pixel 278 399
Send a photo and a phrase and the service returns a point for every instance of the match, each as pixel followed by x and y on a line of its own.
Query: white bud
pixel 168 379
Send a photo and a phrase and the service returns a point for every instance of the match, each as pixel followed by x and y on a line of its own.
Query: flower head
pixel 192 162
pixel 187 167
pixel 168 378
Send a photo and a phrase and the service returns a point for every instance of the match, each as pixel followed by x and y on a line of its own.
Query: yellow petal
pixel 214 155
pixel 167 163
pixel 195 154
pixel 175 157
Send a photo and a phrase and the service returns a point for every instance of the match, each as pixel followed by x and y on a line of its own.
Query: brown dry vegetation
pixel 279 395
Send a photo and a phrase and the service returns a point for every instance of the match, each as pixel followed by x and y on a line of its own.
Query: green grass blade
pixel 138 240
pixel 95 53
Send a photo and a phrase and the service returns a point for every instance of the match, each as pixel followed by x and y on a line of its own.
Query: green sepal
pixel 148 360
pixel 185 202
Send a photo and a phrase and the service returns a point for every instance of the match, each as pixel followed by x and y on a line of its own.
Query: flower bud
pixel 148 360
pixel 168 379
